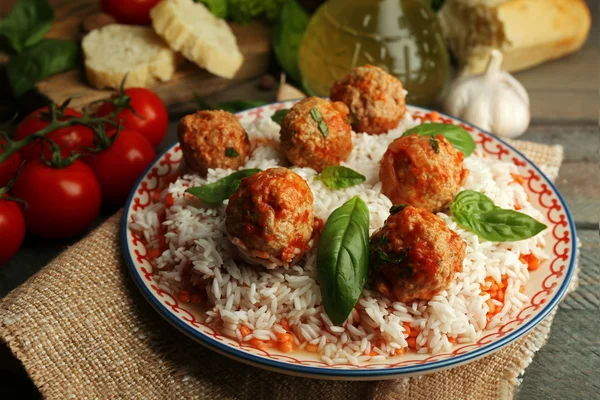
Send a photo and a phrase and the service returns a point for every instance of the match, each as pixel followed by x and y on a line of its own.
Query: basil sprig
pixel 476 212
pixel 279 115
pixel 231 152
pixel 380 256
pixel 342 258
pixel 222 189
pixel 27 23
pixel 34 58
pixel 316 115
pixel 339 177
pixel 43 59
pixel 458 136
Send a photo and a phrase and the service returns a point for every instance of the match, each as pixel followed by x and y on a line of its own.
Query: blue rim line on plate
pixel 350 373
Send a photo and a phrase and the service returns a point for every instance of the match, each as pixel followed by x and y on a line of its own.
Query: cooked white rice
pixel 239 294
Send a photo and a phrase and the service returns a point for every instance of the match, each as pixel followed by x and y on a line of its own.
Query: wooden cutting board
pixel 254 41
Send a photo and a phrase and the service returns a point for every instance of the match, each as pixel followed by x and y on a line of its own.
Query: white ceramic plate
pixel 545 288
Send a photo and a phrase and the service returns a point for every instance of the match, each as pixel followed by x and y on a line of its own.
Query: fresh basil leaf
pixel 476 212
pixel 343 258
pixel 288 35
pixel 316 115
pixel 232 106
pixel 379 255
pixel 390 259
pixel 472 202
pixel 279 115
pixel 457 135
pixel 397 208
pixel 339 177
pixel 222 189
pixel 27 23
pixel 435 145
pixel 48 57
pixel 217 7
pixel 231 152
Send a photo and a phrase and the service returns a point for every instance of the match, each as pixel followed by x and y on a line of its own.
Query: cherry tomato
pixel 135 12
pixel 61 202
pixel 8 168
pixel 69 139
pixel 12 229
pixel 153 119
pixel 119 167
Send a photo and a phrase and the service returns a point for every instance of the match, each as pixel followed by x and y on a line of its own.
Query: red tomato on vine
pixel 119 166
pixel 150 118
pixel 69 139
pixel 61 202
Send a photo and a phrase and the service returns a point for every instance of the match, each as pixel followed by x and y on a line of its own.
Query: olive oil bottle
pixel 401 36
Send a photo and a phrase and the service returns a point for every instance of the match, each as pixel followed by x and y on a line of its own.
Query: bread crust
pixel 107 60
pixel 528 32
pixel 220 56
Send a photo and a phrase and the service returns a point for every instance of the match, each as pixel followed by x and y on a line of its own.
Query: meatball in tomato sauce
pixel 212 139
pixel 270 218
pixel 415 255
pixel 422 171
pixel 375 98
pixel 316 133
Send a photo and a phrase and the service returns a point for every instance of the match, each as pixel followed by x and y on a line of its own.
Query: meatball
pixel 270 218
pixel 316 133
pixel 422 171
pixel 212 139
pixel 374 97
pixel 415 255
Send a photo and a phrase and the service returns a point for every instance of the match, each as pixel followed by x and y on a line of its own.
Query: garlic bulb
pixel 495 101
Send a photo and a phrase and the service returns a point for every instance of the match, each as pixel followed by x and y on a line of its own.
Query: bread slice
pixel 201 37
pixel 528 32
pixel 115 50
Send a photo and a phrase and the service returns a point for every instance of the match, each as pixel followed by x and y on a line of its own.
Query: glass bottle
pixel 401 36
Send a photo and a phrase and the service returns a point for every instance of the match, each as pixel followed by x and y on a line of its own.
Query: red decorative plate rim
pixel 554 275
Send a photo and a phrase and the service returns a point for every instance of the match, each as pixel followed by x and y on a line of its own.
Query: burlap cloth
pixel 82 329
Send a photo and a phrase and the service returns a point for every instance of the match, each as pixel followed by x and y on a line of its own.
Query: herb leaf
pixel 435 145
pixel 27 23
pixel 391 259
pixel 476 212
pixel 222 189
pixel 217 7
pixel 48 57
pixel 342 258
pixel 316 115
pixel 339 177
pixel 397 208
pixel 231 152
pixel 458 136
pixel 279 115
pixel 288 35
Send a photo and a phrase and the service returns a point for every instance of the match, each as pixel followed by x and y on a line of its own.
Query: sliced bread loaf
pixel 115 50
pixel 201 37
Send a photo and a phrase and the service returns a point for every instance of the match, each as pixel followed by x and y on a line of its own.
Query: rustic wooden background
pixel 565 109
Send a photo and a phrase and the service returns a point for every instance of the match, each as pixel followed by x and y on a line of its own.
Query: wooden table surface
pixel 564 103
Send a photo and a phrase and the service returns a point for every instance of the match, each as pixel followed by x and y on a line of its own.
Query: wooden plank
pixel 578 183
pixel 581 142
pixel 578 176
pixel 566 367
pixel 254 41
